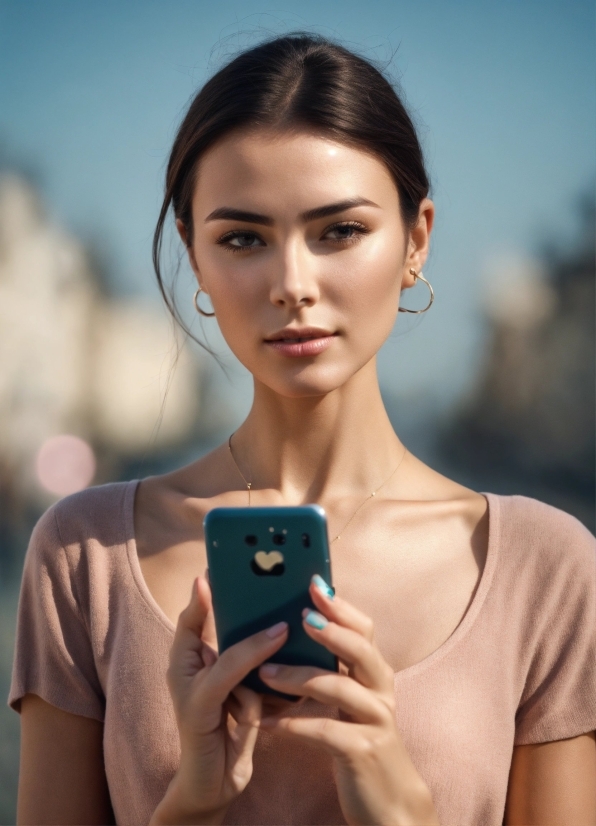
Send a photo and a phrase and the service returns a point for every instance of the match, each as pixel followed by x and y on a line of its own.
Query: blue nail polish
pixel 315 619
pixel 322 586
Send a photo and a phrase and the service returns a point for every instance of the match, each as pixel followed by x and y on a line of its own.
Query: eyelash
pixel 359 228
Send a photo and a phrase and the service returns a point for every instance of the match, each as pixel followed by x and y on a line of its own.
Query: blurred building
pixel 83 375
pixel 529 425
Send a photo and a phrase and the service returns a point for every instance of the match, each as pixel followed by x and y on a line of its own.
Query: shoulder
pixel 98 516
pixel 547 591
pixel 98 512
pixel 545 546
pixel 79 551
pixel 542 526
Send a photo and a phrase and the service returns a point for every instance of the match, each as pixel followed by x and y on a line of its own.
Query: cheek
pixel 240 296
pixel 237 295
pixel 231 282
pixel 366 286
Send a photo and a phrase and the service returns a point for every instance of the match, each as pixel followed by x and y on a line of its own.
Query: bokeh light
pixel 65 464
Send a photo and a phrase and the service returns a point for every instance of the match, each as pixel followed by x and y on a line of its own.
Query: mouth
pixel 300 342
pixel 299 334
pixel 299 339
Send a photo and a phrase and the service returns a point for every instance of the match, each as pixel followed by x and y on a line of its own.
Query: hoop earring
pixel 195 301
pixel 430 289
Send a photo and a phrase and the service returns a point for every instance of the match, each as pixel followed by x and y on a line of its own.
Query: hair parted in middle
pixel 291 83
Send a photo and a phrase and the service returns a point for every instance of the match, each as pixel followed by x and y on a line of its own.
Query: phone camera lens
pixel 251 539
pixel 279 539
pixel 305 540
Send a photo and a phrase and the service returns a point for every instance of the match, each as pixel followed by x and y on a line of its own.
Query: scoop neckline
pixel 133 557
pixel 410 671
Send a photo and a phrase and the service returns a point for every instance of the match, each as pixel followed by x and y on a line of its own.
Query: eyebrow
pixel 231 214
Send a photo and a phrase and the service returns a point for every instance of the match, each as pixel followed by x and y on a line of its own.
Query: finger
pixel 187 646
pixel 273 705
pixel 244 705
pixel 365 661
pixel 208 655
pixel 239 659
pixel 243 738
pixel 336 737
pixel 328 688
pixel 208 633
pixel 339 610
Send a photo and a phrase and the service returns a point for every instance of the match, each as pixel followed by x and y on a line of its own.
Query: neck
pixel 318 448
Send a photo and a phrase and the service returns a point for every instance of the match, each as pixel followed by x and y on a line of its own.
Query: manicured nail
pixel 316 620
pixel 322 586
pixel 277 629
pixel 269 670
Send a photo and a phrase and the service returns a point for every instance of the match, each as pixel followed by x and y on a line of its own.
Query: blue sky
pixel 91 93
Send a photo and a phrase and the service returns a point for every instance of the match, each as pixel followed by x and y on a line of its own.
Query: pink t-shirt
pixel 519 668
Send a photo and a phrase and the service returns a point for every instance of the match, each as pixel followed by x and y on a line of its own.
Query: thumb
pixel 209 634
pixel 191 621
pixel 194 615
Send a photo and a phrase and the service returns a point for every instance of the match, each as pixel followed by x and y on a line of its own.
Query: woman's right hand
pixel 217 718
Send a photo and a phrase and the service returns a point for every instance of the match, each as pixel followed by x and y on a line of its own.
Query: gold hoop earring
pixel 430 289
pixel 198 309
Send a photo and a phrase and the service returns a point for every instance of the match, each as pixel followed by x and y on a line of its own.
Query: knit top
pixel 519 668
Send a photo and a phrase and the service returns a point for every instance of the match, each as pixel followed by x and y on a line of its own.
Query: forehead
pixel 291 171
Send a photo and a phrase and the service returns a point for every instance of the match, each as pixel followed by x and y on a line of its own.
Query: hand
pixel 217 718
pixel 376 780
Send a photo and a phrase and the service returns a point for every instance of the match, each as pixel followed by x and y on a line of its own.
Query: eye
pixel 239 240
pixel 346 232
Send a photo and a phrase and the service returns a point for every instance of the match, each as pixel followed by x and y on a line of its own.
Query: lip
pixel 300 342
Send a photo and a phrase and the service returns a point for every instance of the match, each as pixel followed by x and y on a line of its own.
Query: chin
pixel 306 378
pixel 306 382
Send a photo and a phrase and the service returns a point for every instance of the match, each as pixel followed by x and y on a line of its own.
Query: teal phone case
pixel 261 561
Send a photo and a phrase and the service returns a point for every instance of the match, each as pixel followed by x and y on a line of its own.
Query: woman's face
pixel 299 242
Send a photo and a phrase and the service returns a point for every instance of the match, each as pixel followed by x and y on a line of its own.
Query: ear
pixel 418 243
pixel 183 233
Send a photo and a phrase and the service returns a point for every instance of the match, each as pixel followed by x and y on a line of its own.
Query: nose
pixel 295 279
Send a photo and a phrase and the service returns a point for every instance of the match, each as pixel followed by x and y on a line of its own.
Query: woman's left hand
pixel 377 782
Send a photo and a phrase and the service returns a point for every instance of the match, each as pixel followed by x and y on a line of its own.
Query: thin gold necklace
pixel 370 495
pixel 246 482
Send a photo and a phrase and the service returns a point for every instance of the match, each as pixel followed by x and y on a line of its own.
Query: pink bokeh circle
pixel 65 464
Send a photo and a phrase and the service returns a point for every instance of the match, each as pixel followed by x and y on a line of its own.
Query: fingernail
pixel 193 592
pixel 316 620
pixel 322 586
pixel 277 629
pixel 269 670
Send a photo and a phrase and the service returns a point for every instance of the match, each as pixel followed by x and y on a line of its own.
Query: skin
pixel 317 432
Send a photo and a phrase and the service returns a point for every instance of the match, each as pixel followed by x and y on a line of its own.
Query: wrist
pixel 417 807
pixel 175 809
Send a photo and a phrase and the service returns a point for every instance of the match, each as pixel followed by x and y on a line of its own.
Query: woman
pixel 464 623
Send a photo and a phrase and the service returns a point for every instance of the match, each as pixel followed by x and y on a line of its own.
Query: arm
pixel 62 777
pixel 62 774
pixel 553 783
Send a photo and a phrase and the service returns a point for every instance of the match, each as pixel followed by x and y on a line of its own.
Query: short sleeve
pixel 559 700
pixel 53 655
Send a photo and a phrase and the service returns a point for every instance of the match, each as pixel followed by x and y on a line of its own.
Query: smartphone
pixel 261 561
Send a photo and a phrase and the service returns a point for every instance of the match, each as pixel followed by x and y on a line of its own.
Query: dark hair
pixel 297 81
